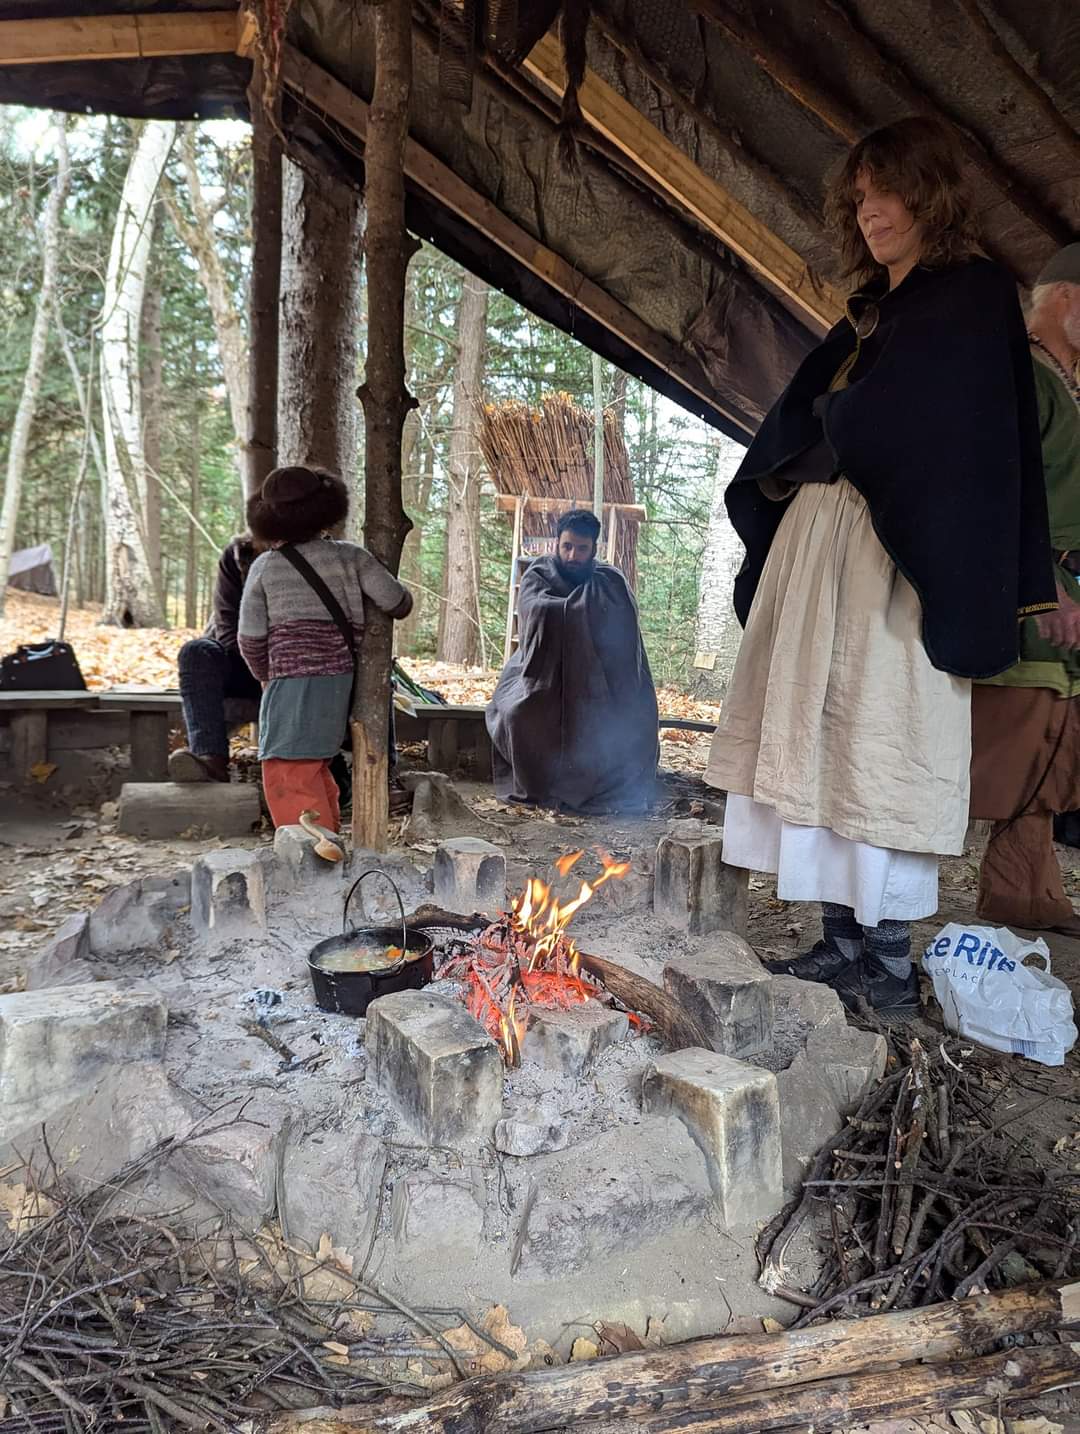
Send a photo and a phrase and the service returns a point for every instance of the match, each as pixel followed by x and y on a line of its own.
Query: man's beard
pixel 576 573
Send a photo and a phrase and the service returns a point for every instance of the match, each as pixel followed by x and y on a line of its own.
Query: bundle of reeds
pixel 548 453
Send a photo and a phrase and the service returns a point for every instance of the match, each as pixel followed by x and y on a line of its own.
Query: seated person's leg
pixel 239 683
pixel 203 665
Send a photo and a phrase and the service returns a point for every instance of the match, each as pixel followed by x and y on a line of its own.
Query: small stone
pixel 54 1043
pixel 295 860
pixel 800 1007
pixel 470 875
pixel 728 992
pixel 65 960
pixel 228 895
pixel 234 1169
pixel 333 1188
pixel 851 1060
pixel 809 1116
pixel 531 1133
pixel 571 1042
pixel 140 914
pixel 695 890
pixel 160 810
pixel 433 1212
pixel 732 1111
pixel 438 1065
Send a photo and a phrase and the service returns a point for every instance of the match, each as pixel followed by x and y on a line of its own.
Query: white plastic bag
pixel 986 992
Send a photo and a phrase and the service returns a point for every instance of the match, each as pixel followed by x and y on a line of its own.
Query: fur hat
pixel 296 504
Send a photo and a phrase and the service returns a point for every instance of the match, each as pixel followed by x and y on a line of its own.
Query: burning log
pixel 676 1026
pixel 827 1376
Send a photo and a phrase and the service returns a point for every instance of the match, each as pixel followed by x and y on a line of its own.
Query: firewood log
pixel 807 1376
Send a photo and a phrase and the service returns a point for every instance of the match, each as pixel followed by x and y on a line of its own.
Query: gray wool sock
pixel 889 943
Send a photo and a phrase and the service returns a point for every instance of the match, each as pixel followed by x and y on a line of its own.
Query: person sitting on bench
pixel 573 720
pixel 212 671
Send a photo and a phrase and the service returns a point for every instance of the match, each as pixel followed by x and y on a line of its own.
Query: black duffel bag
pixel 41 667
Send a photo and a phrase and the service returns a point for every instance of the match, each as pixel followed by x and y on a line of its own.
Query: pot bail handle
pixel 374 871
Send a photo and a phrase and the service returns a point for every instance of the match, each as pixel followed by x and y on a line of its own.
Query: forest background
pixel 133 313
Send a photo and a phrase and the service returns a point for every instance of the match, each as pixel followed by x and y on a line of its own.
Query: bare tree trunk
pixel 265 298
pixel 35 367
pixel 320 264
pixel 131 597
pixel 150 378
pixel 459 619
pixel 228 325
pixel 410 572
pixel 386 401
pixel 718 632
pixel 191 575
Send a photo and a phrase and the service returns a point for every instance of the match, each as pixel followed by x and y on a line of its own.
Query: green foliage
pixel 672 455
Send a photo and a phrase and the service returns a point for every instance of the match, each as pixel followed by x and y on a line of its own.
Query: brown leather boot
pixel 188 766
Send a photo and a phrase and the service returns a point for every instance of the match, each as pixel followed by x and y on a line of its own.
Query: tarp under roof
pixel 727 102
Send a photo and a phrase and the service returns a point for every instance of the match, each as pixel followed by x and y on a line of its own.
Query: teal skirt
pixel 304 718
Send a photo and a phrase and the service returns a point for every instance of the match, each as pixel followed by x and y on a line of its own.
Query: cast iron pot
pixel 349 993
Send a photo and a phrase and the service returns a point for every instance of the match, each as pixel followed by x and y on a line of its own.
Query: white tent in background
pixel 32 571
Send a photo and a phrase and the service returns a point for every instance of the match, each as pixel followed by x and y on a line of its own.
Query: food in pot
pixel 364 958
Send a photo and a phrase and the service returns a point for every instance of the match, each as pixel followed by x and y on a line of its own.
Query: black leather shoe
pixel 823 963
pixel 892 998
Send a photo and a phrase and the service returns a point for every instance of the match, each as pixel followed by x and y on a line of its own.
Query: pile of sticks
pixel 547 452
pixel 923 1197
pixel 110 1320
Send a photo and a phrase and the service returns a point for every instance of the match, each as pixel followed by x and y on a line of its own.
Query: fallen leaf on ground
pixel 331 1254
pixel 23 1208
pixel 582 1349
pixel 480 1357
pixel 617 1338
pixel 772 1326
pixel 42 771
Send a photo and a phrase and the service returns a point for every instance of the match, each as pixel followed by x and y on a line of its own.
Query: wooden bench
pixel 33 724
pixel 458 735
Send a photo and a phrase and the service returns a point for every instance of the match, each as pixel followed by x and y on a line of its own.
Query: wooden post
pixel 598 443
pixel 511 593
pixel 261 444
pixel 386 401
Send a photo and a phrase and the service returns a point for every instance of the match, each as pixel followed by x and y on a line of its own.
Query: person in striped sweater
pixel 293 643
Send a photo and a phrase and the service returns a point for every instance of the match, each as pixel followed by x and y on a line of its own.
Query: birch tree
pixel 459 625
pixel 132 598
pixel 718 632
pixel 35 367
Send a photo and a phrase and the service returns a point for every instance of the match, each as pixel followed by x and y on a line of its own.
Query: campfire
pixel 526 960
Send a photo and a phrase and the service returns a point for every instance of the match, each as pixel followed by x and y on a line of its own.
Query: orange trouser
pixel 292 787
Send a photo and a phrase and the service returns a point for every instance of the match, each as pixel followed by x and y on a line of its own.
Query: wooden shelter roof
pixel 686 243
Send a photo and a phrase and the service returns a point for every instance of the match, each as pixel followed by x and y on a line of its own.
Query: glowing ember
pixel 526 960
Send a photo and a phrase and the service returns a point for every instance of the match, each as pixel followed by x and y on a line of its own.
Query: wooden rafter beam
pixel 841 119
pixel 119 37
pixel 710 204
pixel 347 110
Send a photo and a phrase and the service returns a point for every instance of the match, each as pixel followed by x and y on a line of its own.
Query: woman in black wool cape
pixel 894 516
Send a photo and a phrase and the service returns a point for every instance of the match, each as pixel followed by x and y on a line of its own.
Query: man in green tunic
pixel 1026 722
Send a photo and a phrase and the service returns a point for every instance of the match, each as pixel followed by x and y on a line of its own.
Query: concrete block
pixel 799 1008
pixel 228 895
pixel 139 915
pixel 54 1043
pixel 234 1169
pixel 694 889
pixel 332 1185
pixel 728 993
pixel 611 1194
pixel 65 960
pixel 431 1212
pixel 572 1041
pixel 439 1066
pixel 531 1133
pixel 160 810
pixel 470 875
pixel 852 1061
pixel 732 1111
pixel 809 1116
pixel 296 863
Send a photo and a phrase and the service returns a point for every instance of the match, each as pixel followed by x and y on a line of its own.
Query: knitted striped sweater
pixel 285 629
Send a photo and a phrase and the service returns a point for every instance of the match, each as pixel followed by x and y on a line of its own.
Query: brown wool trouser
pixel 1021 737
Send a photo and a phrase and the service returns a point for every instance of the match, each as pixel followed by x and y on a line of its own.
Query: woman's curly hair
pixel 919 160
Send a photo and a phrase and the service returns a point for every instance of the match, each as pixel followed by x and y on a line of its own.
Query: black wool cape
pixel 938 430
